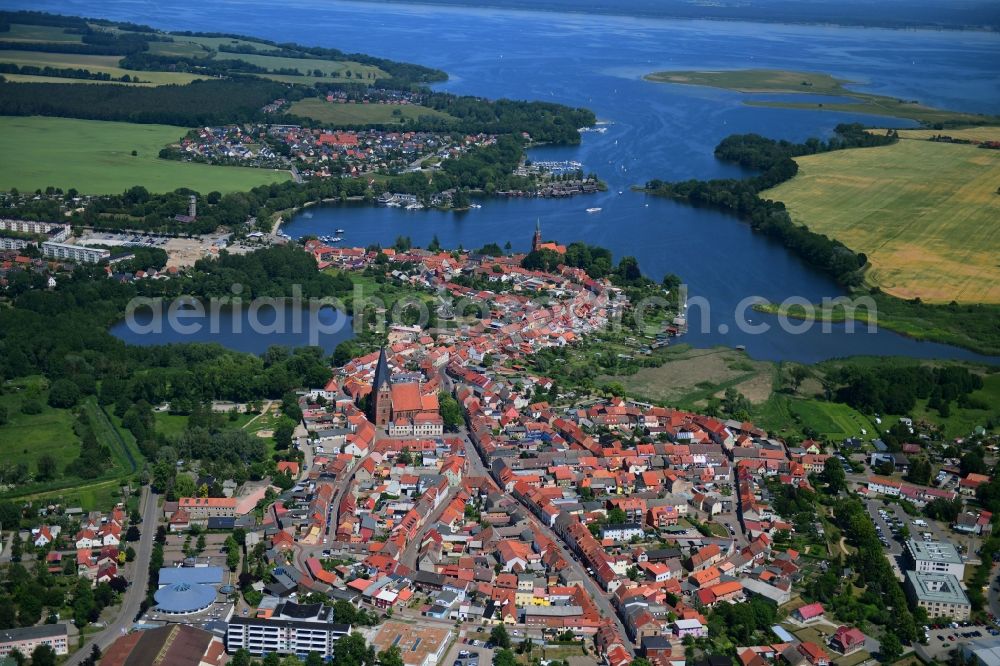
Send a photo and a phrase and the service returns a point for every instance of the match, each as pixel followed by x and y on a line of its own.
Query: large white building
pixel 291 629
pixel 941 595
pixel 55 231
pixel 935 557
pixel 78 253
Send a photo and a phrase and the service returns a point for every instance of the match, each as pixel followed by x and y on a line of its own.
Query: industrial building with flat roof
pixel 939 594
pixel 935 557
pixel 983 652
pixel 419 644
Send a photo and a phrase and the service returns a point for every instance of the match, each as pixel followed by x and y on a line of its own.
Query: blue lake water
pixel 656 130
pixel 246 329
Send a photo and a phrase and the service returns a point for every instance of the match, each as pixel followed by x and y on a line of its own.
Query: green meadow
pixel 95 157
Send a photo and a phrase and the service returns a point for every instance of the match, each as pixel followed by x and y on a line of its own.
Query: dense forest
pixel 895 389
pixel 199 103
pixel 774 159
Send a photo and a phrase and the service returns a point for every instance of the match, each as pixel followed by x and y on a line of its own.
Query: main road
pixel 478 466
pixel 136 592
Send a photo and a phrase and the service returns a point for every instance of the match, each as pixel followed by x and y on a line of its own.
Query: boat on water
pixel 594 210
pixel 475 205
pixel 340 231
pixel 336 239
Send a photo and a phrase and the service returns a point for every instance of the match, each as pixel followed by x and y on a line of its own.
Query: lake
pixel 655 131
pixel 245 329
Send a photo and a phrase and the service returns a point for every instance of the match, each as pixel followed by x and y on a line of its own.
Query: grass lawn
pixel 690 377
pixel 99 495
pixel 832 420
pixel 94 157
pixel 360 114
pixel 170 425
pixel 20 32
pixel 27 437
pixel 107 64
pixel 925 214
pixel 817 83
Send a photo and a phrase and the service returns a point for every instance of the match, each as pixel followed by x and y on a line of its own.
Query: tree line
pixel 199 103
pixel 774 159
pixel 895 389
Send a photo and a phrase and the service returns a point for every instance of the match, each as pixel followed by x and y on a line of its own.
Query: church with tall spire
pixel 537 244
pixel 380 405
pixel 405 407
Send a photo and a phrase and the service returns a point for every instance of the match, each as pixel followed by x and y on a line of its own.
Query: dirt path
pixel 263 411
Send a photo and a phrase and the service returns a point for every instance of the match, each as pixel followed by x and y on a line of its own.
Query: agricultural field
pixel 95 158
pixel 924 212
pixel 36 34
pixel 37 78
pixel 989 133
pixel 107 64
pixel 339 69
pixel 817 83
pixel 360 114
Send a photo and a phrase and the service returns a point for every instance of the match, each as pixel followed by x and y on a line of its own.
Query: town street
pixel 137 590
pixel 478 468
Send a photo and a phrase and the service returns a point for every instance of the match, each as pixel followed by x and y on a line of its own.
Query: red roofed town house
pixel 847 640
pixel 809 612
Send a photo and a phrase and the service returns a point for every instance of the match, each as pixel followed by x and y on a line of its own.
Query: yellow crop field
pixel 927 214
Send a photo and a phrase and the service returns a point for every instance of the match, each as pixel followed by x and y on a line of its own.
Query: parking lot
pixel 944 640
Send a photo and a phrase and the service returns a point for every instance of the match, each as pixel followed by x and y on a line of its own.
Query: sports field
pixel 360 114
pixel 95 157
pixel 925 213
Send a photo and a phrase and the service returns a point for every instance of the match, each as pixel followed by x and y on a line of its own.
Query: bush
pixel 31 406
pixel 63 393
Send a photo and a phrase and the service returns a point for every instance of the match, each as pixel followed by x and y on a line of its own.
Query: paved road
pixel 340 486
pixel 137 591
pixel 409 555
pixel 477 467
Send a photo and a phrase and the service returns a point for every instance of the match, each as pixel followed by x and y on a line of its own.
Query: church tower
pixel 536 242
pixel 380 402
